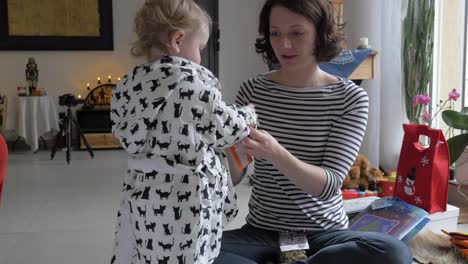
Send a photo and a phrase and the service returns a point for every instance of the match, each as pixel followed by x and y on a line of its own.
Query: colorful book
pixel 397 220
pixel 415 230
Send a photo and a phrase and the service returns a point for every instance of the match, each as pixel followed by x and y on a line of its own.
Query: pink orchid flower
pixel 426 116
pixel 453 95
pixel 425 99
pixel 421 99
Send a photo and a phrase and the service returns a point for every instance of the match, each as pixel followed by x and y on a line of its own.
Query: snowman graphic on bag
pixel 410 188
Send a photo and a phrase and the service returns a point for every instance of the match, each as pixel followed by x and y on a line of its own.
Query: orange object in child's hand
pixel 242 159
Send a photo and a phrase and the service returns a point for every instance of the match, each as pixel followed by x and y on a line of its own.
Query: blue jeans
pixel 250 245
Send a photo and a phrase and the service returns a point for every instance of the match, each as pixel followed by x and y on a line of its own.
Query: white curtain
pixel 381 22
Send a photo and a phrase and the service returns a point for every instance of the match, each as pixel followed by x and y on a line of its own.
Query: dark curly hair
pixel 320 12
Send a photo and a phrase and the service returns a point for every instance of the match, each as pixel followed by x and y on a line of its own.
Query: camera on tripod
pixel 70 100
pixel 64 137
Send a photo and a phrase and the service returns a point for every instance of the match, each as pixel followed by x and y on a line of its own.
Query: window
pixel 465 68
pixel 449 56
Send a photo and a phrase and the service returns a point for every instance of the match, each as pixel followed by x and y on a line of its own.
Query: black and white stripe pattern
pixel 323 126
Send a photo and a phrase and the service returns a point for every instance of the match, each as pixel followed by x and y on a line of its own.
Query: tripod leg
pixel 68 138
pixel 44 142
pixel 90 150
pixel 54 148
pixel 14 144
pixel 60 135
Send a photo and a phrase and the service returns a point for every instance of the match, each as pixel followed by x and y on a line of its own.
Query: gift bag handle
pixel 414 131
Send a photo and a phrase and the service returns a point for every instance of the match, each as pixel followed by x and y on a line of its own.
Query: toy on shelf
pixel 355 193
pixel 386 185
pixel 32 75
pixel 361 176
pixel 350 193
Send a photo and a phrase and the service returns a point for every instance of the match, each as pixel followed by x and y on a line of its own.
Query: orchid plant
pixel 454 119
pixel 425 100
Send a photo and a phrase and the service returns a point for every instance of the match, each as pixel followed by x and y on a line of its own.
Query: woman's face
pixel 292 38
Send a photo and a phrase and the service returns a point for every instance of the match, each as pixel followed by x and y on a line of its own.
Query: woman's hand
pixel 261 145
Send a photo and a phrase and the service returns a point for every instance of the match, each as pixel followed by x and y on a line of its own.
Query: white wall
pixel 68 71
pixel 367 24
pixel 381 21
pixel 237 59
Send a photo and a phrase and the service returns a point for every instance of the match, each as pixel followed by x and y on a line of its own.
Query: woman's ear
pixel 175 42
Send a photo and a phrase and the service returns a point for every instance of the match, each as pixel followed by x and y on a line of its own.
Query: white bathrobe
pixel 177 194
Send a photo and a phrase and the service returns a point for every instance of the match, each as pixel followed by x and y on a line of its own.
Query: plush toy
pixel 361 176
pixel 363 163
pixel 369 182
pixel 351 180
pixel 360 167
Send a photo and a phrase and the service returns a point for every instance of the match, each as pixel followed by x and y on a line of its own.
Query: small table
pixel 36 115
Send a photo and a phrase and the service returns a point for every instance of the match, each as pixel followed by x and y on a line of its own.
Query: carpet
pixel 431 248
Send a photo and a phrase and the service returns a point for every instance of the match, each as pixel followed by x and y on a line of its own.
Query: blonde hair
pixel 157 20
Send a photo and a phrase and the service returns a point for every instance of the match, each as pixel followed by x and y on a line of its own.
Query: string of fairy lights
pixel 109 80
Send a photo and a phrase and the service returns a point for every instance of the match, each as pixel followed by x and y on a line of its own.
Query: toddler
pixel 169 116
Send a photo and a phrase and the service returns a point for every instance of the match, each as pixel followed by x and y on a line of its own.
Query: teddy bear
pixel 361 176
pixel 351 180
pixel 374 175
pixel 360 167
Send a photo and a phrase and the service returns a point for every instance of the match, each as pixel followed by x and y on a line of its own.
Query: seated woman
pixel 311 125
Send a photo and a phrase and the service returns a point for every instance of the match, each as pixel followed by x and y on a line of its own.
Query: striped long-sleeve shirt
pixel 322 126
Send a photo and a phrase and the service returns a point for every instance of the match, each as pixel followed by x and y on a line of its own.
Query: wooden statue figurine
pixel 32 75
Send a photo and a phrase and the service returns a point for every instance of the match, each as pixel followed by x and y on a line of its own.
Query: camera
pixel 64 136
pixel 70 100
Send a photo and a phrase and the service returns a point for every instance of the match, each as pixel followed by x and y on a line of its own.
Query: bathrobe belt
pixel 161 165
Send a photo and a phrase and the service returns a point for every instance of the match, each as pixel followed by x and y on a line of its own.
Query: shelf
pixel 96 127
pixel 100 141
pixel 366 70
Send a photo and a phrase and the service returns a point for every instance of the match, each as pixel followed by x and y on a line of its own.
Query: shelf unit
pixel 96 127
pixel 366 70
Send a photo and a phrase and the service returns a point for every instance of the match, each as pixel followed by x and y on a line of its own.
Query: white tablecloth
pixel 35 116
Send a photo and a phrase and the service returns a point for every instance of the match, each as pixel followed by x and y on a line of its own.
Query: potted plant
pixel 418 46
pixel 456 120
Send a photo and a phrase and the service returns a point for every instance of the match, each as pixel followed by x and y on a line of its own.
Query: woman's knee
pixel 251 243
pixel 388 249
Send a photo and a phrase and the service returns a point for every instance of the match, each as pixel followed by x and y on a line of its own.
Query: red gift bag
pixel 423 171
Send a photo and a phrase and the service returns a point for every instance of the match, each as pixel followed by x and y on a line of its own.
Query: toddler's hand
pixel 251 105
pixel 260 144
